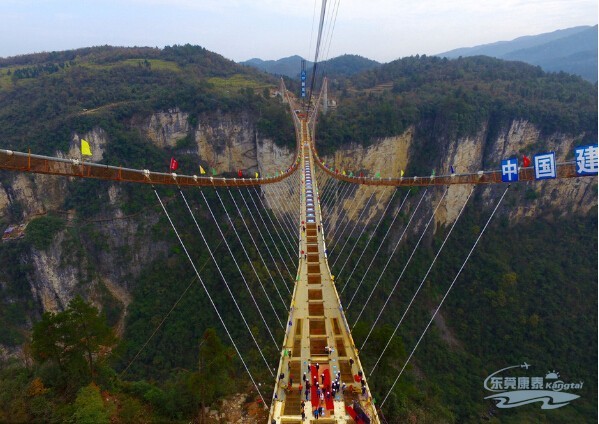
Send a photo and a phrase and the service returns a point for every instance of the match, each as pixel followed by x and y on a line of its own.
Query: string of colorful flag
pixel 545 166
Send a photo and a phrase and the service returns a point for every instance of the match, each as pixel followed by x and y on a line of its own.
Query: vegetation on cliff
pixel 535 303
pixel 448 99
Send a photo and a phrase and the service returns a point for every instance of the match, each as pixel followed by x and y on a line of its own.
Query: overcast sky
pixel 383 30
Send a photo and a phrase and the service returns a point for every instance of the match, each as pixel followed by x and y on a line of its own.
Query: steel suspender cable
pixel 358 221
pixel 335 201
pixel 285 243
pixel 210 297
pixel 264 242
pixel 422 282
pixel 224 280
pixel 284 218
pixel 248 258
pixel 349 217
pixel 239 269
pixel 278 230
pixel 341 214
pixel 445 297
pixel 328 198
pixel 402 271
pixel 285 192
pixel 370 238
pixel 380 245
pixel 270 235
pixel 388 259
pixel 289 192
pixel 327 191
pixel 257 249
pixel 295 202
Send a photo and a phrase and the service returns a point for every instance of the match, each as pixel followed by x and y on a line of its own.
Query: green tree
pixel 89 407
pixel 73 339
pixel 215 371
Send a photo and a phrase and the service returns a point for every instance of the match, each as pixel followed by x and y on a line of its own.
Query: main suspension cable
pixel 444 297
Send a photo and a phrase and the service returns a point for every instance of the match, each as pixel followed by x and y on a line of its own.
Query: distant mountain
pixel 288 66
pixel 346 65
pixel 572 50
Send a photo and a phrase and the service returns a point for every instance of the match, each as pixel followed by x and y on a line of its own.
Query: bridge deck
pixel 316 324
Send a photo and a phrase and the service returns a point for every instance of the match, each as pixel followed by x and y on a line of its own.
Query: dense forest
pixel 528 294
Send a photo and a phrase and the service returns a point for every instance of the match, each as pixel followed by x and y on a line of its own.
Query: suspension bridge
pixel 319 362
pixel 317 211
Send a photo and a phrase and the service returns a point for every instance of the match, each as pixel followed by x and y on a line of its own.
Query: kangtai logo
pixel 517 390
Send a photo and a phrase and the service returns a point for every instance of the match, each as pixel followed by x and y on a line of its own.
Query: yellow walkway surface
pixel 317 331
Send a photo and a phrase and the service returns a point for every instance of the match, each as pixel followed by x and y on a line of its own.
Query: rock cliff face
pixel 389 156
pixel 165 128
pixel 113 248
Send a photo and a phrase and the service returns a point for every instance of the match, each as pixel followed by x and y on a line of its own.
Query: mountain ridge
pixel 552 51
pixel 344 65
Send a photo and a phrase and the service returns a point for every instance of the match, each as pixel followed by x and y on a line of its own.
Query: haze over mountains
pixel 572 50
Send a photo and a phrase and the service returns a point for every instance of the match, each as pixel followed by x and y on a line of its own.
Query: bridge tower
pixel 282 91
pixel 325 95
pixel 318 341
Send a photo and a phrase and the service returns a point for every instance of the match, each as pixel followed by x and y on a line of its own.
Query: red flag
pixel 239 173
pixel 361 175
pixel 174 164
pixel 525 161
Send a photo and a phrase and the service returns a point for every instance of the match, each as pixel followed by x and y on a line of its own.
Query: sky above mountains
pixel 382 30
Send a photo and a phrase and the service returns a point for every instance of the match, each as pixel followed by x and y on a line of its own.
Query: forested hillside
pixel 525 291
pixel 527 294
pixel 111 245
